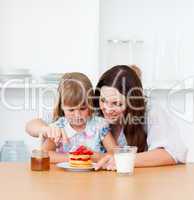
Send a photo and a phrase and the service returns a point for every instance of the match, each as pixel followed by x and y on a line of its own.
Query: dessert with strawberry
pixel 81 157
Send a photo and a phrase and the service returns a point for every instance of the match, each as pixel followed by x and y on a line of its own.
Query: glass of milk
pixel 124 159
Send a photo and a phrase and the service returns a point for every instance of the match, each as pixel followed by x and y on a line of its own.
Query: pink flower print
pixel 88 135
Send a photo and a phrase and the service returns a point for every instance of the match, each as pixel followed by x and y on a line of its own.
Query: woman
pixel 133 122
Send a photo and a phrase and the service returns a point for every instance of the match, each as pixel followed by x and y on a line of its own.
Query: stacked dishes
pixel 11 73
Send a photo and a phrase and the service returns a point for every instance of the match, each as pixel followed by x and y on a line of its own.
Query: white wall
pixel 50 36
pixel 44 36
pixel 20 107
pixel 165 57
pixel 164 26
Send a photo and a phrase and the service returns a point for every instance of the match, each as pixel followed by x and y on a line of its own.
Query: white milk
pixel 124 162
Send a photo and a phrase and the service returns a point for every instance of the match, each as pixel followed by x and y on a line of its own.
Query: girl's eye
pixel 83 108
pixel 70 110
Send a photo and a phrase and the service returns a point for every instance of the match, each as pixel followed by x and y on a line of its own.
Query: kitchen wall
pixel 44 36
pixel 49 36
pixel 158 37
pixel 163 26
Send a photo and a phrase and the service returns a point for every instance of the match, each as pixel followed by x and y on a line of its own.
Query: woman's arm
pixel 55 157
pixel 154 158
pixel 35 126
pixel 109 142
pixel 97 156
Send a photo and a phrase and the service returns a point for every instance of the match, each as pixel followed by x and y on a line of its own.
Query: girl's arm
pixel 50 146
pixel 35 126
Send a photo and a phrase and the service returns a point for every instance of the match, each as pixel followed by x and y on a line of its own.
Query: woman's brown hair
pixel 75 89
pixel 126 81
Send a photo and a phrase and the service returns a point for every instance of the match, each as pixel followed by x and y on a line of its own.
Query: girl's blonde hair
pixel 75 89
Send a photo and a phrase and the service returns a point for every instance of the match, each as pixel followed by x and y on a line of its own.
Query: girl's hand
pixel 54 133
pixel 106 162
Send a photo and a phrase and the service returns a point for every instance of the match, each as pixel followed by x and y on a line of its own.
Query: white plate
pixel 65 165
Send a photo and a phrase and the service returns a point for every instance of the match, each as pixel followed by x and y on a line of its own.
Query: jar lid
pixel 39 153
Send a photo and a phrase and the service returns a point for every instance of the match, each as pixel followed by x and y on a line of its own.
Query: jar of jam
pixel 40 160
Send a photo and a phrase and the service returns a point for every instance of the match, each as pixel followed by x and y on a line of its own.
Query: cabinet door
pixel 50 36
pixel 166 55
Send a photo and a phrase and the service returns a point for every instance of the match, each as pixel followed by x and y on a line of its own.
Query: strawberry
pixel 90 152
pixel 82 150
pixel 85 151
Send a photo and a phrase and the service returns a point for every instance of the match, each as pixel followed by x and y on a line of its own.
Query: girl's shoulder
pixel 98 121
pixel 99 126
pixel 60 122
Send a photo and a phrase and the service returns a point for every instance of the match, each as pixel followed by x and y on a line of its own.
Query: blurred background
pixel 41 39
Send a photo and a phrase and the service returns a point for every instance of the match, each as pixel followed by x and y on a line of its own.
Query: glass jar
pixel 40 160
pixel 14 151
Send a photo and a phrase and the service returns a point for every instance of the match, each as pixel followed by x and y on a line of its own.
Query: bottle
pixel 14 151
pixel 40 160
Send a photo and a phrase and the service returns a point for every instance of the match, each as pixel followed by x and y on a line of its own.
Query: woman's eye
pixel 120 104
pixel 117 104
pixel 102 99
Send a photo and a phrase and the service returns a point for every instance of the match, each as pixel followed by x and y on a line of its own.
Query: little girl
pixel 74 114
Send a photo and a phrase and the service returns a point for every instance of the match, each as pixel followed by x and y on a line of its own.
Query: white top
pixel 162 132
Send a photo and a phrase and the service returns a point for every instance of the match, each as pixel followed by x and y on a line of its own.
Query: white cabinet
pixel 50 36
pixel 44 36
pixel 166 55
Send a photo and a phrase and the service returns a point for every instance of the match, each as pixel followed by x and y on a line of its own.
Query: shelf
pixel 28 85
pixel 157 85
pixel 169 85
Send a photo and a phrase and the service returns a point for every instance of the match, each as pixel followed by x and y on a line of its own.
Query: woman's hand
pixel 106 162
pixel 54 133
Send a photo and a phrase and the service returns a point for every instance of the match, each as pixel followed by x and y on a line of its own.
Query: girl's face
pixel 77 116
pixel 112 103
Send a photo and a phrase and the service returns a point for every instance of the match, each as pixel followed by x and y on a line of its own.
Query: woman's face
pixel 112 103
